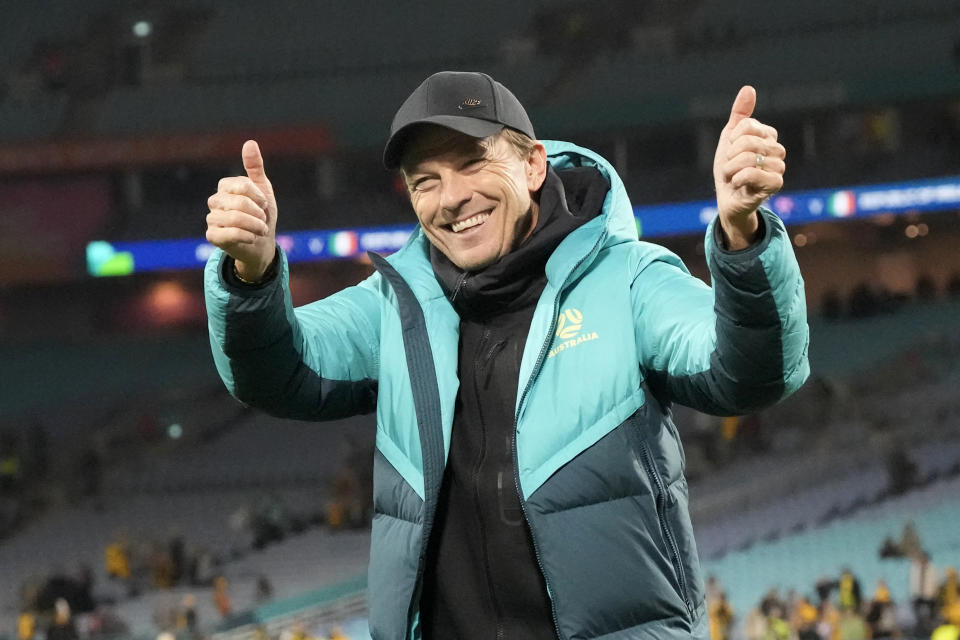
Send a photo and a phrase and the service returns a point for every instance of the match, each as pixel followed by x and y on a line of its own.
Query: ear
pixel 536 167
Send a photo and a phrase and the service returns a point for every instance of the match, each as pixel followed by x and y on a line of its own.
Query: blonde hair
pixel 521 143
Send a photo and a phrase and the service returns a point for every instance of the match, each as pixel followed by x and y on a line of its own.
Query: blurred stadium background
pixel 134 488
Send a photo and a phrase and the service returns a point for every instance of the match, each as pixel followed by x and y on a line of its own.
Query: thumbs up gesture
pixel 747 169
pixel 243 216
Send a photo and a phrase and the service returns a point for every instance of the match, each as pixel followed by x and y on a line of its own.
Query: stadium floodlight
pixel 142 28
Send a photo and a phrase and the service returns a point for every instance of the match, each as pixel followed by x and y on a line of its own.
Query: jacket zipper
pixel 661 501
pixel 516 420
pixel 480 364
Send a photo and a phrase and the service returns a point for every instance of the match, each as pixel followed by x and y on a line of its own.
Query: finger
pixel 240 220
pixel 753 127
pixel 756 145
pixel 747 160
pixel 234 202
pixel 253 164
pixel 225 237
pixel 743 105
pixel 757 181
pixel 243 186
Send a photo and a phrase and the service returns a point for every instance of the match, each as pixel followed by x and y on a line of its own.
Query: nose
pixel 455 191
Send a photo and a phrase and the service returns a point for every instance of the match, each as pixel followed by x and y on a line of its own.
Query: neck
pixel 532 216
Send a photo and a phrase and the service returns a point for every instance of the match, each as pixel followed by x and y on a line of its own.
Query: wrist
pixel 252 273
pixel 739 232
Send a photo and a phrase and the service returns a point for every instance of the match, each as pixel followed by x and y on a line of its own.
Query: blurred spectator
pixel 948 594
pixel 221 597
pixel 203 568
pixel 72 590
pixel 161 566
pixel 9 464
pixel 26 625
pixel 950 629
pixel 881 614
pixel 923 592
pixel 62 627
pixel 187 616
pixel 852 626
pixel 910 544
pixel 84 578
pixel 117 561
pixel 721 616
pixel 756 625
pixel 268 521
pixel 770 601
pixel 300 632
pixel 176 550
pixel 825 587
pixel 848 592
pixel 103 623
pixel 804 620
pixel 264 589
pixel 777 627
pixel 901 469
pixel 829 624
pixel 337 634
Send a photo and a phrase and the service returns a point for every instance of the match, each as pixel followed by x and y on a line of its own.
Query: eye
pixel 473 163
pixel 424 183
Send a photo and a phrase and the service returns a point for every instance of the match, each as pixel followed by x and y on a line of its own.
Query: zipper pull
pixel 461 281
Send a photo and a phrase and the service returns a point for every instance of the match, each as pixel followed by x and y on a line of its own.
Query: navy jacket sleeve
pixel 317 362
pixel 733 348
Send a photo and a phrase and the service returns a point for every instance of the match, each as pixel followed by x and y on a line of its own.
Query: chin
pixel 472 263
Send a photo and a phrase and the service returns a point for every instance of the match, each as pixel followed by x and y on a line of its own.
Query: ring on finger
pixel 760 160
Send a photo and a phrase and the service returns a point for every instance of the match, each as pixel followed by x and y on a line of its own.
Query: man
pixel 521 351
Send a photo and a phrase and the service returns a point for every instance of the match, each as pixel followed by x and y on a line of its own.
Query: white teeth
pixel 480 218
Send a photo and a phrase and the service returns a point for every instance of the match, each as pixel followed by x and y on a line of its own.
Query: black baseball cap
pixel 469 102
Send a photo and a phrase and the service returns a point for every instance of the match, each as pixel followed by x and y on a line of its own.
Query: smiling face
pixel 475 199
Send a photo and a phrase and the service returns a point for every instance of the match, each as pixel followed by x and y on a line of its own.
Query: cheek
pixel 422 209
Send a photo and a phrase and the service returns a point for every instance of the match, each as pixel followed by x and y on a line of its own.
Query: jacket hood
pixel 617 215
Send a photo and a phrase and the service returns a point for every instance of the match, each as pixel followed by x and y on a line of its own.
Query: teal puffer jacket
pixel 620 332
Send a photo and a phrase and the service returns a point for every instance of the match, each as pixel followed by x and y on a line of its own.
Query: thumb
pixel 743 105
pixel 253 165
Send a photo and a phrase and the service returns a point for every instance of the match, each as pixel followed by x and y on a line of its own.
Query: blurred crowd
pixel 836 607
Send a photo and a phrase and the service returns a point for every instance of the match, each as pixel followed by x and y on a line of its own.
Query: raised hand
pixel 243 216
pixel 747 169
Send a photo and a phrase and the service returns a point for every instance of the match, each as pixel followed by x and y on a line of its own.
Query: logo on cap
pixel 470 103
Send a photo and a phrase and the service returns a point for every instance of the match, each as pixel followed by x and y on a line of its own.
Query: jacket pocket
pixel 666 506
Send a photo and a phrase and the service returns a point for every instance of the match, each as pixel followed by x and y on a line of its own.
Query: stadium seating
pixel 798 561
pixel 259 453
pixel 821 498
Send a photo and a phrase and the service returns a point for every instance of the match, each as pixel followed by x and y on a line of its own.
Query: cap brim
pixel 473 127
